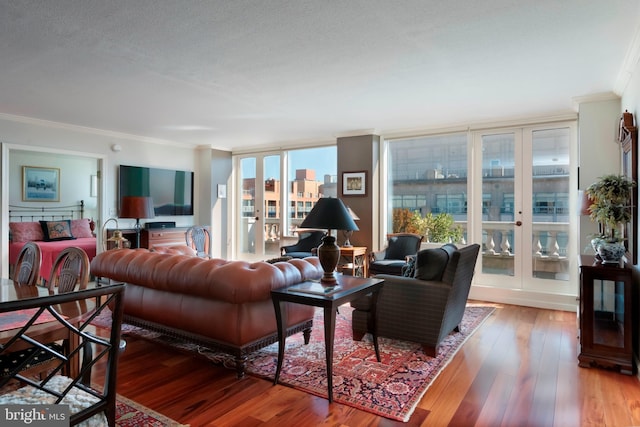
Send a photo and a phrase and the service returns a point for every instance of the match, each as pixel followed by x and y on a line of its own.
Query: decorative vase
pixel 595 242
pixel 610 252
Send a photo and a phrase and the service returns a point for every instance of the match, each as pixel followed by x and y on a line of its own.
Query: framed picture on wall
pixel 40 184
pixel 354 183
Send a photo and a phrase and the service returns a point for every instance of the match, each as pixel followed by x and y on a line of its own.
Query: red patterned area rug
pixel 132 414
pixel 391 388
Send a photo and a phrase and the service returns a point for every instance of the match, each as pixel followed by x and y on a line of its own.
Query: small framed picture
pixel 222 191
pixel 40 184
pixel 354 183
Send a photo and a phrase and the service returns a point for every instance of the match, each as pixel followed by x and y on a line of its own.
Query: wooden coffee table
pixel 348 289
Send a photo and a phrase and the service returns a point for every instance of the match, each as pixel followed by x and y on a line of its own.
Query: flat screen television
pixel 171 190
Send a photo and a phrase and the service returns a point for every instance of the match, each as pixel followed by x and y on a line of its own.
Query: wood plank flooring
pixel 519 369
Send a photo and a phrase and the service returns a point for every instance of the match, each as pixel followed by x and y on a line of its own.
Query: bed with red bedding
pixel 53 229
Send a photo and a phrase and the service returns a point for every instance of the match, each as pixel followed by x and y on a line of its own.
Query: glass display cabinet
pixel 605 315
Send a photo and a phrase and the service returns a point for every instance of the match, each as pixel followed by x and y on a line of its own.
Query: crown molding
pixel 482 125
pixel 350 134
pixel 594 97
pixel 629 64
pixel 84 129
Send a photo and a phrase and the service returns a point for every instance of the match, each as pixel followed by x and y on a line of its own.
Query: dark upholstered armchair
pixel 391 259
pixel 307 241
pixel 425 308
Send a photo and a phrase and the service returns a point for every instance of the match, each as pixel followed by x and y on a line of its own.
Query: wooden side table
pixel 605 315
pixel 347 289
pixel 353 261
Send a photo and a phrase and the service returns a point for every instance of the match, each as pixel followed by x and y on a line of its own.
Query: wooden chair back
pixel 70 270
pixel 26 270
pixel 199 238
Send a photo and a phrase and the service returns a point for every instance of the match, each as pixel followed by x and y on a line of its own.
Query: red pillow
pixel 81 228
pixel 25 232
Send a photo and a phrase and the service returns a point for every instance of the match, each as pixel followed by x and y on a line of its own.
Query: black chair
pixel 424 308
pixel 308 241
pixel 393 258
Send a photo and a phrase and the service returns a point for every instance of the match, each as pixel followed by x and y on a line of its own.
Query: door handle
pixel 518 223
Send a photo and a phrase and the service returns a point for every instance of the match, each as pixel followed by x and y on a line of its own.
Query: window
pixel 272 210
pixel 247 208
pixel 311 174
pixel 429 175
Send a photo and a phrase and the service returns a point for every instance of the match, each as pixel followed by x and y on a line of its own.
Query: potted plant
pixel 610 198
pixel 435 228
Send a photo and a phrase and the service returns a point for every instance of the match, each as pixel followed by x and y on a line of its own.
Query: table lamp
pixel 331 214
pixel 347 233
pixel 136 207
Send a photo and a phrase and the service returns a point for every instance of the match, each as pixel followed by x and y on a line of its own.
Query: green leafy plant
pixel 610 198
pixel 436 228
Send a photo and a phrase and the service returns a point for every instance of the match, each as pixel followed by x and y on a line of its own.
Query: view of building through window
pixel 311 172
pixel 521 173
pixel 428 176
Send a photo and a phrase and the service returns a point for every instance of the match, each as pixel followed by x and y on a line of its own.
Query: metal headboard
pixel 35 213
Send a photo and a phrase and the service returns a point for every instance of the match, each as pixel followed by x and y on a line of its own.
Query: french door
pixel 259 213
pixel 522 200
pixel 275 191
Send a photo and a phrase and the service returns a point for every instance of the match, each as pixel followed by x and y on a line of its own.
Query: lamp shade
pixel 136 207
pixel 331 214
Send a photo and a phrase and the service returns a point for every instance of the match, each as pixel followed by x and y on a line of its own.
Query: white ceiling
pixel 246 73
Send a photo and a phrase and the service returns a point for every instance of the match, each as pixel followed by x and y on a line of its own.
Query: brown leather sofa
pixel 223 305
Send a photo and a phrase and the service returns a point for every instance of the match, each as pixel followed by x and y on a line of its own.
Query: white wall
pixel 631 95
pixel 75 178
pixel 599 150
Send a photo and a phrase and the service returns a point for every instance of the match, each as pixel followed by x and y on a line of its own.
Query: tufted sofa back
pixel 236 282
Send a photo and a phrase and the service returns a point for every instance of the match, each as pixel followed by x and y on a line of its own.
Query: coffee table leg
pixel 373 327
pixel 329 332
pixel 281 315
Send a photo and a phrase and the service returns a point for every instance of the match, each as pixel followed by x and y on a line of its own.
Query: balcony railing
pixel 549 249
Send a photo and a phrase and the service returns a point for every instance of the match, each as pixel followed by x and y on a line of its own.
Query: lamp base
pixel 138 229
pixel 347 235
pixel 328 254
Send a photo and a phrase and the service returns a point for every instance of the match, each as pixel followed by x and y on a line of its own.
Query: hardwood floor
pixel 519 369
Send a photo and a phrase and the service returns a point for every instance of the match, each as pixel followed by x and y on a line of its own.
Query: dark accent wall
pixel 356 154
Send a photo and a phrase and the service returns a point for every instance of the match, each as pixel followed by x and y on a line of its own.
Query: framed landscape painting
pixel 40 184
